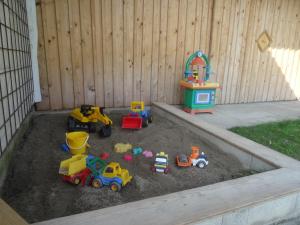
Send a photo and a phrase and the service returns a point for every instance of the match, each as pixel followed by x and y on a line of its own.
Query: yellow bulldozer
pixel 87 117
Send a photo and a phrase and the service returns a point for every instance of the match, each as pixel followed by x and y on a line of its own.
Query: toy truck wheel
pixel 97 183
pixel 71 123
pixel 167 170
pixel 115 187
pixel 201 165
pixel 105 131
pixel 145 122
pixel 89 180
pixel 77 180
pixel 150 119
pixel 92 127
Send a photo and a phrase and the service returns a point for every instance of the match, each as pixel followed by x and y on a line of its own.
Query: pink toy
pixel 104 155
pixel 148 153
pixel 127 157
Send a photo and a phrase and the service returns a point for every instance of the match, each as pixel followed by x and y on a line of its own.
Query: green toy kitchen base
pixel 199 98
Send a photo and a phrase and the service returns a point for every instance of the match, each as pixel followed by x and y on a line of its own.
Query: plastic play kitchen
pixel 195 159
pixel 199 93
pixel 138 117
pixel 86 118
pixel 76 142
pixel 161 163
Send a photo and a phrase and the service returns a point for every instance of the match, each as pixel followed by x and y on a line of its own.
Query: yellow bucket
pixel 77 141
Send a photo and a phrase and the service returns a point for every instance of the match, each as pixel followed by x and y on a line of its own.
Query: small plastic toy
pixel 86 117
pixel 138 117
pixel 73 165
pixel 161 163
pixel 148 153
pixel 193 160
pixel 137 151
pixel 121 147
pixel 113 175
pixel 77 142
pixel 127 157
pixel 64 147
pixel 104 155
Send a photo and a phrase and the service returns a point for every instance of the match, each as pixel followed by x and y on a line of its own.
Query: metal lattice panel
pixel 16 83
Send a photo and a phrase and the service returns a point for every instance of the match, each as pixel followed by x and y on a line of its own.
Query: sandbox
pixel 34 189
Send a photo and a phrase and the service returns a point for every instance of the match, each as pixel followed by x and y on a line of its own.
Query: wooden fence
pixel 111 52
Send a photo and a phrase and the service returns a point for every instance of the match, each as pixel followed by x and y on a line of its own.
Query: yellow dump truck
pixel 73 165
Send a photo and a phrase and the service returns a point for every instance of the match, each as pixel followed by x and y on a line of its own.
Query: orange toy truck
pixel 195 159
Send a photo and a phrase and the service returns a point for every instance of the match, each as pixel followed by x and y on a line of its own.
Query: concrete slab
pixel 228 116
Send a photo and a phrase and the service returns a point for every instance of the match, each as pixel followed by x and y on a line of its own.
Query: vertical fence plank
pixel 172 31
pixel 244 87
pixel 243 36
pixel 87 51
pixel 287 54
pixel 295 87
pixel 162 51
pixel 97 51
pixel 292 53
pixel 128 51
pixel 138 45
pixel 64 49
pixel 240 13
pixel 190 28
pixel 220 68
pixel 232 54
pixel 180 57
pixel 280 43
pixel 198 24
pixel 76 57
pixel 255 51
pixel 218 12
pixel 44 104
pixel 155 50
pixel 270 61
pixel 260 60
pixel 118 78
pixel 228 54
pixel 107 53
pixel 51 49
pixel 206 27
pixel 146 51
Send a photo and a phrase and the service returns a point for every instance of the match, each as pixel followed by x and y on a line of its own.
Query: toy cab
pixel 113 175
pixel 183 160
pixel 161 164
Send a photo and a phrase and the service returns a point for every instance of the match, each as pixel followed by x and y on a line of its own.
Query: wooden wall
pixel 111 52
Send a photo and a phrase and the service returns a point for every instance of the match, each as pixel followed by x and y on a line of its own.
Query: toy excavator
pixel 86 118
pixel 195 159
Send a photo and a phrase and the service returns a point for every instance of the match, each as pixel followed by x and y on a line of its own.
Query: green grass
pixel 282 136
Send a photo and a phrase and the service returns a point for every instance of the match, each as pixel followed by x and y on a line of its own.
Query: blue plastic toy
pixel 137 151
pixel 65 148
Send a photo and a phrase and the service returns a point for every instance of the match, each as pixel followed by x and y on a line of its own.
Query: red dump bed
pixel 132 122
